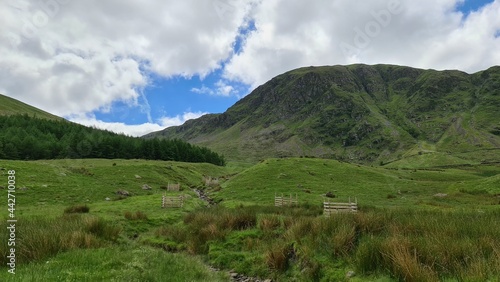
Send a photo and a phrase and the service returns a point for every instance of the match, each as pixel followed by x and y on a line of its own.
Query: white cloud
pixel 138 129
pixel 224 89
pixel 427 34
pixel 220 88
pixel 73 57
pixel 203 90
pixel 179 119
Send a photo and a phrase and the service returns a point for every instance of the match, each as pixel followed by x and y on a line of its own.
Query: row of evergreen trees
pixel 26 138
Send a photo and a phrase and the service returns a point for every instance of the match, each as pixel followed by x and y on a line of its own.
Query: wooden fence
pixel 285 201
pixel 334 207
pixel 208 180
pixel 174 187
pixel 172 202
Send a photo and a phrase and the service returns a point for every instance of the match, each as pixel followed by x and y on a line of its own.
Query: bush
pixel 138 215
pixel 268 223
pixel 77 209
pixel 277 257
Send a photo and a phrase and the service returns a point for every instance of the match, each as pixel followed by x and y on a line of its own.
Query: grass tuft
pixel 77 209
pixel 138 215
pixel 39 238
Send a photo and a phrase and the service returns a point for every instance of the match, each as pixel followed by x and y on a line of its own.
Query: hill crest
pixel 10 106
pixel 359 113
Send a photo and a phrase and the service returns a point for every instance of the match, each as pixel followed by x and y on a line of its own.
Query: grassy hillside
pixel 53 185
pixel 357 113
pixel 9 106
pixel 311 179
pixel 128 236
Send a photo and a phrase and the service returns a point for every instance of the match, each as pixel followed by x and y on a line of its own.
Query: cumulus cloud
pixel 427 34
pixel 74 57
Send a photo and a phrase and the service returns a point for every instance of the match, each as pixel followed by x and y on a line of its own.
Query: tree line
pixel 28 138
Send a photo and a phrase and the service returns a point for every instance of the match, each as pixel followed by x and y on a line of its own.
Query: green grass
pixel 119 263
pixel 41 237
pixel 246 232
pixel 311 179
pixel 423 159
pixel 56 184
pixel 403 244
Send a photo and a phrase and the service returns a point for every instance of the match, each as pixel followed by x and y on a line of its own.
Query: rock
pixel 44 185
pixel 138 176
pixel 62 174
pixel 24 188
pixel 108 199
pixel 350 274
pixel 440 195
pixel 329 194
pixel 268 280
pixel 233 274
pixel 146 187
pixel 123 193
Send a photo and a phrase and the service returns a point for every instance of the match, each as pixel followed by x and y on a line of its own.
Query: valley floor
pixel 94 219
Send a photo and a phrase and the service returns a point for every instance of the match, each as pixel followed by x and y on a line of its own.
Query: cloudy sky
pixel 140 66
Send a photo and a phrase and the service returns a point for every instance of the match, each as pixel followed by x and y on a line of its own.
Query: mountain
pixel 359 113
pixel 9 106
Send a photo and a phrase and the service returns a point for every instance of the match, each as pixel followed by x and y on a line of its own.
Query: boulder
pixel 329 194
pixel 123 193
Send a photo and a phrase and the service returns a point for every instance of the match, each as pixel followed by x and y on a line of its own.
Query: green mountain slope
pixel 9 106
pixel 359 113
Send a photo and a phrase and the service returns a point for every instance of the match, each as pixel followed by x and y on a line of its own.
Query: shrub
pixel 276 257
pixel 138 215
pixel 101 228
pixel 369 256
pixel 77 209
pixel 268 223
pixel 343 240
pixel 238 220
pixel 403 261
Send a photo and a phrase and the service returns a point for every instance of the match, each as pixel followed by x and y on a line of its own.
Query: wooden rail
pixel 173 187
pixel 285 201
pixel 172 202
pixel 333 207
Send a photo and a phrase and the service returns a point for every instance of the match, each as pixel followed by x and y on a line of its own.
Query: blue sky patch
pixel 469 6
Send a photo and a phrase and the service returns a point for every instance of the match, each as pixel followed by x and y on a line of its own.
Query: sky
pixel 134 67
